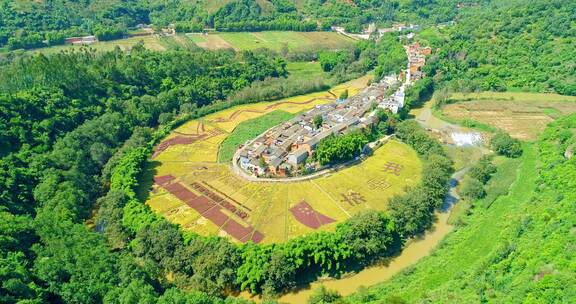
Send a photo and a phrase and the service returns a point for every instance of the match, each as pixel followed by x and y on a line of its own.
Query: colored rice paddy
pixel 193 189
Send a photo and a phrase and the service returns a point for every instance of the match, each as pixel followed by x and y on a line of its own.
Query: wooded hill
pixel 31 24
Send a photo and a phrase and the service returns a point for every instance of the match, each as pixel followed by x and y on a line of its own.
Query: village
pixel 283 151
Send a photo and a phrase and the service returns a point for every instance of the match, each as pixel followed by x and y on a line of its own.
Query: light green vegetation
pixel 500 183
pixel 463 156
pixel 453 273
pixel 306 71
pixel 274 40
pixel 249 129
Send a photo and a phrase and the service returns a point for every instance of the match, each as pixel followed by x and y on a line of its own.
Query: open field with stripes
pixel 522 115
pixel 193 189
pixel 274 40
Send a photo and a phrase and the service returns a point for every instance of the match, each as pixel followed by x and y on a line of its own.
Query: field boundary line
pixel 331 198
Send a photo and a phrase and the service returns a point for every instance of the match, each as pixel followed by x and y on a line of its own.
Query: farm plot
pixel 522 115
pixel 274 40
pixel 200 194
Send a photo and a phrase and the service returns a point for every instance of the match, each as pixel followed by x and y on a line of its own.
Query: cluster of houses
pixel 283 150
pixel 416 60
pixel 371 30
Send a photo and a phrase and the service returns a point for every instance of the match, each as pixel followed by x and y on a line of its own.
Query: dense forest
pixel 508 46
pixel 66 119
pixel 30 24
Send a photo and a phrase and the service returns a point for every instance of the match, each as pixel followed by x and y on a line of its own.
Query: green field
pixel 465 254
pixel 306 71
pixel 248 130
pixel 273 40
pixel 238 41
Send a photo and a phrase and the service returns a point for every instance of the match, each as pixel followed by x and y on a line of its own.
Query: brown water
pixel 412 253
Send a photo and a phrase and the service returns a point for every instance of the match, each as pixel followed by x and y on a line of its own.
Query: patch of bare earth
pixel 521 119
pixel 215 42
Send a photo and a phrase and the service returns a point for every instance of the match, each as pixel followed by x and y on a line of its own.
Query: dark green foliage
pixel 344 95
pixel 334 149
pixel 108 33
pixel 330 59
pixel 417 94
pixel 507 45
pixel 317 120
pixel 411 133
pixel 188 27
pixel 28 24
pixel 505 145
pixel 63 122
pixel 413 212
pixel 392 56
pixel 365 237
pixel 483 170
pixel 274 88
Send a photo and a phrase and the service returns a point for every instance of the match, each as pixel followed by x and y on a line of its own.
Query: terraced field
pixel 197 192
pixel 522 115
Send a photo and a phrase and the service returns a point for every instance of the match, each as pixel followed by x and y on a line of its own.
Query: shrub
pixel 483 170
pixel 505 145
pixel 473 189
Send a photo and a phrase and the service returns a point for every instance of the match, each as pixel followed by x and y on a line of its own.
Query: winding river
pixel 414 250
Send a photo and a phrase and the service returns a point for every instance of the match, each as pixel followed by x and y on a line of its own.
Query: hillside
pixel 31 24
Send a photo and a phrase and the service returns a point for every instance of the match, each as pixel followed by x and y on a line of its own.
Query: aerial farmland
pixel 196 189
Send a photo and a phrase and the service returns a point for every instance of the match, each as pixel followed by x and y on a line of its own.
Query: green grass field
pixel 239 41
pixel 248 130
pixel 272 40
pixel 443 276
pixel 306 71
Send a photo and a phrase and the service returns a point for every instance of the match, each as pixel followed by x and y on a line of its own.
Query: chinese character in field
pixel 353 198
pixel 392 167
pixel 378 184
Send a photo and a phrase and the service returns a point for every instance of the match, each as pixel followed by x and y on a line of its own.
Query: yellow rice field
pixel 337 195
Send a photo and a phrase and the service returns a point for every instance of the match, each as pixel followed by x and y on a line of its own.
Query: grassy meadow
pixel 238 41
pixel 273 40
